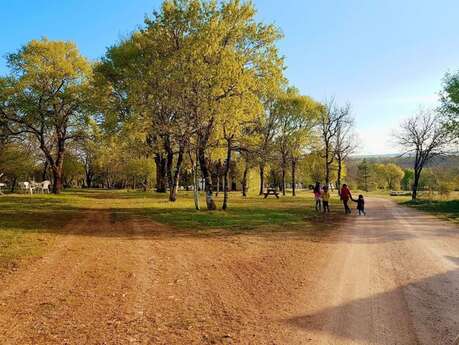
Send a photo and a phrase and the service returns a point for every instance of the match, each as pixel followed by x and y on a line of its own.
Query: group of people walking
pixel 322 199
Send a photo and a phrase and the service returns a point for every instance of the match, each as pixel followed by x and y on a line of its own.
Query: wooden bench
pixel 271 191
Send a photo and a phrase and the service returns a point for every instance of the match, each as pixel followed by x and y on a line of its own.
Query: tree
pixel 331 120
pixel 450 102
pixel 17 161
pixel 234 130
pixel 191 60
pixel 233 57
pixel 345 141
pixel 394 175
pixel 297 115
pixel 44 97
pixel 424 137
pixel 364 174
pixel 266 128
pixel 407 179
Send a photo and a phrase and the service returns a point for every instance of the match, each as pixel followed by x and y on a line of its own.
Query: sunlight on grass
pixel 28 224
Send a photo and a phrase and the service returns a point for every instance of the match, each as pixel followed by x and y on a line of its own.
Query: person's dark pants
pixel 325 206
pixel 347 209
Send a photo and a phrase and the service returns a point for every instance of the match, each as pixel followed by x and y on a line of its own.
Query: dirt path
pixel 389 278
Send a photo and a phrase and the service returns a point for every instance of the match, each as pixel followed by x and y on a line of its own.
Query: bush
pixel 445 189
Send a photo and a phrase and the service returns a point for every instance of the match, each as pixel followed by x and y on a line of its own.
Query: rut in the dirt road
pixel 389 278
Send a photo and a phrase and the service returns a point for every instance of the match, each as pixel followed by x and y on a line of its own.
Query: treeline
pixel 194 99
pixel 372 174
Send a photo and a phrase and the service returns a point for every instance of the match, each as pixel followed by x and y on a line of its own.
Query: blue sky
pixel 385 57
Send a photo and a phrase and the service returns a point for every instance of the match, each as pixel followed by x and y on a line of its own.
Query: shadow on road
pixel 412 309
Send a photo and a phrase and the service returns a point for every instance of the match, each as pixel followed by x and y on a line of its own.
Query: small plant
pixel 445 189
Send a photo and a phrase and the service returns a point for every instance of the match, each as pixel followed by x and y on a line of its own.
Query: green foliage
pixel 407 180
pixel 448 209
pixel 17 162
pixel 445 189
pixel 73 170
pixel 450 101
pixel 44 98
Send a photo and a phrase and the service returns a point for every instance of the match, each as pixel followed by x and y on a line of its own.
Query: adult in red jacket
pixel 345 195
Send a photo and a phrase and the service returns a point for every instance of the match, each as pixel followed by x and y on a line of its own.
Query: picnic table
pixel 271 191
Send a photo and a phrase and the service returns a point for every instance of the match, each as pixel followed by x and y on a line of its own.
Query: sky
pixel 386 58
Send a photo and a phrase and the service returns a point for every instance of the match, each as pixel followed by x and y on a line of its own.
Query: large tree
pixel 297 115
pixel 345 141
pixel 188 62
pixel 450 102
pixel 43 98
pixel 423 137
pixel 267 127
pixel 330 123
pixel 234 56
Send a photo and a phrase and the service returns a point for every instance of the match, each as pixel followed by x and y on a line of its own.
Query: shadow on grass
pixel 284 218
pixel 23 213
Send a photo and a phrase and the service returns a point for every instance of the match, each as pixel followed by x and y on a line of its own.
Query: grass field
pixel 28 224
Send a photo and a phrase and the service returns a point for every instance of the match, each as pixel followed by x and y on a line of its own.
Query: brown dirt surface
pixel 388 278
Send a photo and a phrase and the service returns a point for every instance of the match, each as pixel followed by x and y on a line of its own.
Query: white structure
pixel 44 186
pixel 28 187
pixel 2 185
pixel 31 187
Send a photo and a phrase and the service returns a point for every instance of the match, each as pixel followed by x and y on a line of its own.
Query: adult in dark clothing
pixel 345 195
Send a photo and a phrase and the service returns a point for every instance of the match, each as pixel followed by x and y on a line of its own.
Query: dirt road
pixel 391 277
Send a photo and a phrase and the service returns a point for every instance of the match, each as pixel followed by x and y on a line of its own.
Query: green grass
pixel 446 208
pixel 28 224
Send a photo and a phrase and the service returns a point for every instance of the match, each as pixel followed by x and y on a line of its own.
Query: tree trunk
pixel 284 163
pixel 58 168
pixel 176 178
pixel 225 177
pixel 13 185
pixel 415 185
pixel 244 179
pixel 194 163
pixel 338 179
pixel 169 165
pixel 45 171
pixel 57 176
pixel 207 178
pixel 294 177
pixel 88 177
pixel 262 178
pixel 160 162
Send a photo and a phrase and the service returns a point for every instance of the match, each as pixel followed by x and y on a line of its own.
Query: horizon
pixel 386 60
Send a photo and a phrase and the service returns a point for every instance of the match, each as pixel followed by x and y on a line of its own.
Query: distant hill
pixel 447 161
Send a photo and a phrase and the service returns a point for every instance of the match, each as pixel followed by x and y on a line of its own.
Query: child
pixel 317 195
pixel 325 199
pixel 360 205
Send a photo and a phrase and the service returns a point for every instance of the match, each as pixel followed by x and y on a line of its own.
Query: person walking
pixel 325 199
pixel 317 196
pixel 361 205
pixel 345 195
